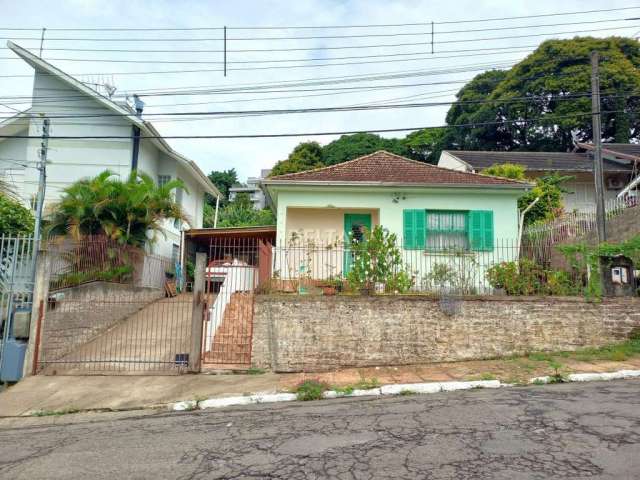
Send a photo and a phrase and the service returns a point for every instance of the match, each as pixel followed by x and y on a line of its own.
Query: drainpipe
pixel 139 106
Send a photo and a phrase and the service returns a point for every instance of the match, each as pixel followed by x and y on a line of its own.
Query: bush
pixel 377 259
pixel 528 278
pixel 14 218
pixel 310 390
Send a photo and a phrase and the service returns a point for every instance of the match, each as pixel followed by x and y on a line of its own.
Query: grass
pixel 256 371
pixel 367 384
pixel 407 393
pixel 310 390
pixel 614 353
pixel 51 413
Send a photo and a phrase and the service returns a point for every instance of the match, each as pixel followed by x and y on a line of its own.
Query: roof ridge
pixel 511 152
pixel 318 169
pixel 384 153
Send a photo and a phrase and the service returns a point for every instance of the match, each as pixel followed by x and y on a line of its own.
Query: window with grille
pixel 438 230
pixel 446 230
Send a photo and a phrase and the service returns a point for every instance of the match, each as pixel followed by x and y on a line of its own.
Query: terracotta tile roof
pixel 385 167
pixel 538 161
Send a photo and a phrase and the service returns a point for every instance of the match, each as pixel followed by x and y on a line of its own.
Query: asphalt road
pixel 574 431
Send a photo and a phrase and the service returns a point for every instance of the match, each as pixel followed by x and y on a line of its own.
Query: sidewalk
pixel 58 393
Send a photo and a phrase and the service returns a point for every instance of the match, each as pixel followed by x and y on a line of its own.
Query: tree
pixel 240 213
pixel 544 99
pixel 348 147
pixel 15 219
pixel 305 156
pixel 223 180
pixel 426 145
pixel 123 210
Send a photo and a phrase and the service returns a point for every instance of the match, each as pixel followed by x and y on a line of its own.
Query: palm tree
pixel 125 211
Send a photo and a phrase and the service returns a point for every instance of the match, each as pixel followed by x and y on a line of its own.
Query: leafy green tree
pixel 240 213
pixel 550 189
pixel 512 171
pixel 223 180
pixel 555 80
pixel 15 219
pixel 348 147
pixel 305 156
pixel 123 210
pixel 425 145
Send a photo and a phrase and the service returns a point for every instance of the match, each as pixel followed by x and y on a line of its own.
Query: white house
pixel 620 162
pixel 56 93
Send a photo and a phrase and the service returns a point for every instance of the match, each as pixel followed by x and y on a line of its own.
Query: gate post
pixel 38 310
pixel 195 358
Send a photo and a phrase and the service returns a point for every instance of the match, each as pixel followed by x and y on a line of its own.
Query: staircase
pixel 232 340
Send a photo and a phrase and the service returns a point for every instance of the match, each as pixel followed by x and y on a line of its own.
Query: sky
pixel 306 59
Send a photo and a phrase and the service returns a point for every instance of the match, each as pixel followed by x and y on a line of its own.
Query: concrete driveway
pixel 571 431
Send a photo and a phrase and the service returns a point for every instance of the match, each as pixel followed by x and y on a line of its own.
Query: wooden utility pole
pixel 597 152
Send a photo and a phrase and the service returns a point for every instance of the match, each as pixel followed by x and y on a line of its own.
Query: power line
pixel 292 27
pixel 326 37
pixel 522 99
pixel 309 134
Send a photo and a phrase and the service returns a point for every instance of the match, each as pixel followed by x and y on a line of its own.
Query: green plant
pixel 487 376
pixel 377 259
pixel 406 393
pixel 346 390
pixel 122 210
pixel 256 371
pixel 367 383
pixel 15 219
pixel 310 389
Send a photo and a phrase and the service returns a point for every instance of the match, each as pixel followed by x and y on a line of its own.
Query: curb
pixel 395 389
pixel 591 377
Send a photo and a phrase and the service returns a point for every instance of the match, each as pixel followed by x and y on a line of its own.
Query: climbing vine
pixel 586 258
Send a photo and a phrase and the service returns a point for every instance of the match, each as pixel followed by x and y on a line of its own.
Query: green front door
pixel 354 225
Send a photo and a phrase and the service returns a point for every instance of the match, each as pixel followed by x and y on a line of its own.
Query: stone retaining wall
pixel 296 333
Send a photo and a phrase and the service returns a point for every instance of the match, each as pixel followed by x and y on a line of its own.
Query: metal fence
pixel 314 266
pixel 573 225
pixel 112 308
pixel 17 264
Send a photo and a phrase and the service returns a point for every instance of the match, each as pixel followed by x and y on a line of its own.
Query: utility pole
pixel 42 167
pixel 597 152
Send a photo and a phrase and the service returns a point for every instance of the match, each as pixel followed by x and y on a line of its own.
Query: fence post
pixel 38 310
pixel 197 313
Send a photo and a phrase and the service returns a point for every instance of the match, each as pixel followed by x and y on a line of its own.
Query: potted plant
pixel 332 286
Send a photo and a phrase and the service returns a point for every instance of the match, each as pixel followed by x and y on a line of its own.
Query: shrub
pixel 14 218
pixel 528 278
pixel 310 390
pixel 377 259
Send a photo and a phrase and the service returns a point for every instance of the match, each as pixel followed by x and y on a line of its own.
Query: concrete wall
pixel 86 311
pixel 315 333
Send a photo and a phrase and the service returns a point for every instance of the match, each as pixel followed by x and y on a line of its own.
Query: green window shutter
pixel 420 217
pixel 481 230
pixel 413 229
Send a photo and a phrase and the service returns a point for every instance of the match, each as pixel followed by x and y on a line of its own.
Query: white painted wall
pixel 447 160
pixel 73 159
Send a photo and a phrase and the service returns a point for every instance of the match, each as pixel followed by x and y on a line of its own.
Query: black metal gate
pixel 113 308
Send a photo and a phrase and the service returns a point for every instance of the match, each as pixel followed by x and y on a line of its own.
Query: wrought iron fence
pixel 507 267
pixel 17 264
